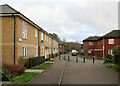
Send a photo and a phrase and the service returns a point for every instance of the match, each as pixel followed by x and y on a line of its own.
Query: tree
pixel 55 36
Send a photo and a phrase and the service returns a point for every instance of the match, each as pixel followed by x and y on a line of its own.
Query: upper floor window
pixel 41 35
pixel 35 32
pixel 111 41
pixel 90 43
pixel 24 30
pixel 49 41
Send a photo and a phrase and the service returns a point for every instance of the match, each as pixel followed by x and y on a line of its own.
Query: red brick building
pixel 101 46
pixel 62 47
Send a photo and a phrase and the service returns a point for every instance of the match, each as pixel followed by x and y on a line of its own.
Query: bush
pixel 65 52
pixel 9 72
pixel 47 59
pixel 116 52
pixel 31 62
pixel 16 70
pixel 22 61
pixel 109 58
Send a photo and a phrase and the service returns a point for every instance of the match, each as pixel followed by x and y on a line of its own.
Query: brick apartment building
pixel 22 37
pixel 101 46
pixel 62 47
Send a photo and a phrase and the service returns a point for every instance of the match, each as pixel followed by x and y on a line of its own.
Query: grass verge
pixel 51 61
pixel 24 77
pixel 42 66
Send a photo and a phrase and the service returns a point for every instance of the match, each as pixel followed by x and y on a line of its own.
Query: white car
pixel 74 53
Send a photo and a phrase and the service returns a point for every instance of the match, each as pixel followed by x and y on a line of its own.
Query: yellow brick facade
pixel 31 42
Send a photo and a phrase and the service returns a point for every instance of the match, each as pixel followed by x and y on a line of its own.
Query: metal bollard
pixel 84 59
pixel 68 58
pixel 76 59
pixel 64 57
pixel 93 59
pixel 59 57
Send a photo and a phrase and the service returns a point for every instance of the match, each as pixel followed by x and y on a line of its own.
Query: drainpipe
pixel 103 47
pixel 38 44
pixel 14 36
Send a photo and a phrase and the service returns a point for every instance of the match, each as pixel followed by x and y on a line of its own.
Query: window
pixel 42 51
pixel 110 52
pixel 24 51
pixel 41 36
pixel 35 32
pixel 90 43
pixel 24 30
pixel 59 45
pixel 89 51
pixel 111 41
pixel 35 51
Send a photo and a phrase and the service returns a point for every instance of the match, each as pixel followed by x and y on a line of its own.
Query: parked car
pixel 74 53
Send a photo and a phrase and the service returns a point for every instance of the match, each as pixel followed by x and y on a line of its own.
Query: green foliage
pixel 55 36
pixel 116 53
pixel 109 58
pixel 22 61
pixel 42 66
pixel 31 62
pixel 6 74
pixel 24 78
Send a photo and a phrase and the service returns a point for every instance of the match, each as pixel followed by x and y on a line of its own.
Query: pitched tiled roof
pixel 7 9
pixel 114 33
pixel 92 38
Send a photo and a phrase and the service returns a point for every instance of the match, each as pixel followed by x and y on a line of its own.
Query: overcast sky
pixel 73 20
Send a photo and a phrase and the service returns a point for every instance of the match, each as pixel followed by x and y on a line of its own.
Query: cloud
pixel 73 20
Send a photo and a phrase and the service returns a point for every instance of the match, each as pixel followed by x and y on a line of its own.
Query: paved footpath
pixel 76 73
pixel 51 75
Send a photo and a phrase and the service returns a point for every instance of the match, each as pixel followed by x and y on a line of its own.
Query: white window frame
pixel 24 53
pixel 110 41
pixel 42 51
pixel 24 30
pixel 35 32
pixel 110 52
pixel 36 51
pixel 41 35
pixel 90 43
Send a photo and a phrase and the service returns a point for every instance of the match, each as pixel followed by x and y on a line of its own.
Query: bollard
pixel 93 59
pixel 64 57
pixel 59 57
pixel 84 59
pixel 76 59
pixel 68 58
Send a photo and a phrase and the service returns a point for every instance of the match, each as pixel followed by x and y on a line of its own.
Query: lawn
pixel 42 66
pixel 24 77
pixel 51 61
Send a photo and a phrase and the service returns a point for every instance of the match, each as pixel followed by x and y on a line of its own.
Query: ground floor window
pixel 42 51
pixel 35 51
pixel 110 52
pixel 24 51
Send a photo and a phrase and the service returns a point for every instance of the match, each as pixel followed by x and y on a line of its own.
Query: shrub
pixel 6 75
pixel 116 52
pixel 22 61
pixel 109 58
pixel 31 62
pixel 9 72
pixel 65 52
pixel 16 70
pixel 47 59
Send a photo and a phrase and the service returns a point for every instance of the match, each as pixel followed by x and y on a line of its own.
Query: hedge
pixel 116 52
pixel 31 62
